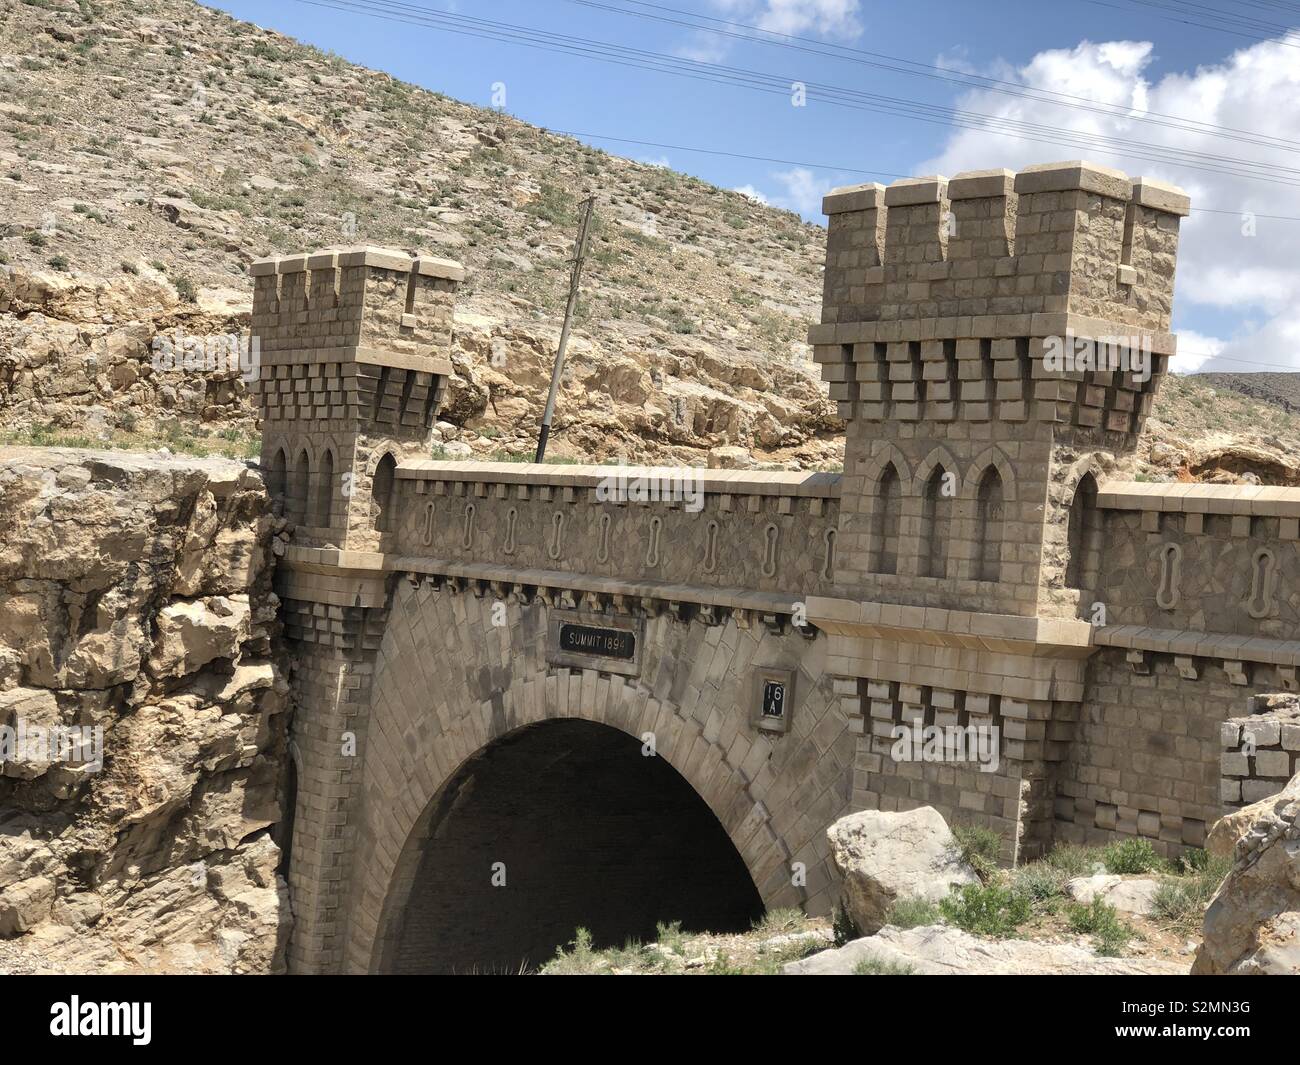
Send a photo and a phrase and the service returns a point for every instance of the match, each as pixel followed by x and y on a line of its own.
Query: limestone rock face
pixel 138 611
pixel 883 856
pixel 1252 925
pixel 1129 896
pixel 939 950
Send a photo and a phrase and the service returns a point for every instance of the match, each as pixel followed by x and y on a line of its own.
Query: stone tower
pixel 354 356
pixel 947 305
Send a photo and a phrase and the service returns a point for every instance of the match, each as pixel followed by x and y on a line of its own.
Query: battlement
pixel 355 352
pixel 1038 297
pixel 378 305
pixel 1054 238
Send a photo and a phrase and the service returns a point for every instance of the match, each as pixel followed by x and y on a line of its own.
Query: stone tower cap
pixel 853 198
pixel 978 184
pixel 1062 177
pixel 916 190
pixel 1161 196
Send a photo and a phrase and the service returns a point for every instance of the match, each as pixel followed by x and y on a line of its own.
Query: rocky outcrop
pixel 97 358
pixel 883 856
pixel 1132 895
pixel 139 622
pixel 1252 925
pixel 938 950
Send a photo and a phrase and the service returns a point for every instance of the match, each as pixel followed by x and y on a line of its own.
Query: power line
pixel 718 74
pixel 884 61
pixel 846 169
pixel 1200 25
pixel 624 56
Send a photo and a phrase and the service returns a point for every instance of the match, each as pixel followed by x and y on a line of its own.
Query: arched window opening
pixel 325 491
pixel 988 546
pixel 885 520
pixel 298 488
pixel 383 492
pixel 936 513
pixel 275 478
pixel 1083 535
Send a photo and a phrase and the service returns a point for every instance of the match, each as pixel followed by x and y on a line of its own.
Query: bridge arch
pixel 464 685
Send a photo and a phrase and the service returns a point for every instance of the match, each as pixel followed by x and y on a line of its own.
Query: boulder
pixel 25 904
pixel 192 634
pixel 939 950
pixel 1252 925
pixel 884 856
pixel 1128 896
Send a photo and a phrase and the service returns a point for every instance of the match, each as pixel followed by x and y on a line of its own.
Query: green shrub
pixel 979 849
pixel 1100 920
pixel 1183 901
pixel 1071 860
pixel 1131 856
pixel 987 910
pixel 912 913
pixel 1039 882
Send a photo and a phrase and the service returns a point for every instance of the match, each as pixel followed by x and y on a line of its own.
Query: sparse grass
pixel 986 910
pixel 912 913
pixel 876 967
pixel 1071 860
pixel 1182 901
pixel 1040 883
pixel 1100 920
pixel 781 922
pixel 979 849
pixel 230 442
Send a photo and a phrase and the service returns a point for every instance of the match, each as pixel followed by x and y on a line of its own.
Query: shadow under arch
pixel 556 825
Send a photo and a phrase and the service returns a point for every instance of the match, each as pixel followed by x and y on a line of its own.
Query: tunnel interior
pixel 557 826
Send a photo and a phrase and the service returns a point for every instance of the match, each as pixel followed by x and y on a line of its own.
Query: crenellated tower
pixel 955 336
pixel 354 355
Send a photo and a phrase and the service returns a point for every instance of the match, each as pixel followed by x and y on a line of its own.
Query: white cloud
pixel 1195 350
pixel 821 17
pixel 803 191
pixel 802 18
pixel 752 193
pixel 1221 265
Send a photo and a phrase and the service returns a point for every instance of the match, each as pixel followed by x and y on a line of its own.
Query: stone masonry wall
pixel 1261 750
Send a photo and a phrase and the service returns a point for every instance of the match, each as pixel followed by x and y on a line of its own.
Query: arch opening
pixel 556 826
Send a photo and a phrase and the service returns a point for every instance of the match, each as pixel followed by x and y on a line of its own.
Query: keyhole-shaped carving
pixel 426 535
pixel 1171 557
pixel 467 537
pixel 602 552
pixel 1263 583
pixel 557 534
pixel 512 519
pixel 770 536
pixel 711 547
pixel 652 551
pixel 828 563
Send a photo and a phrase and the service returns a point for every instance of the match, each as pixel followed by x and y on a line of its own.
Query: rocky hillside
pixel 138 612
pixel 1280 389
pixel 150 149
pixel 160 146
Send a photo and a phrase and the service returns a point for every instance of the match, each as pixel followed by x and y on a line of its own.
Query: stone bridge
pixel 535 697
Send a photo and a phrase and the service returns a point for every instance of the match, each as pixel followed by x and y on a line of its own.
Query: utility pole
pixel 579 253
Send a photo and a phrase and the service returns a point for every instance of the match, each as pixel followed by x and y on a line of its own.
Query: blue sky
pixel 1238 280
